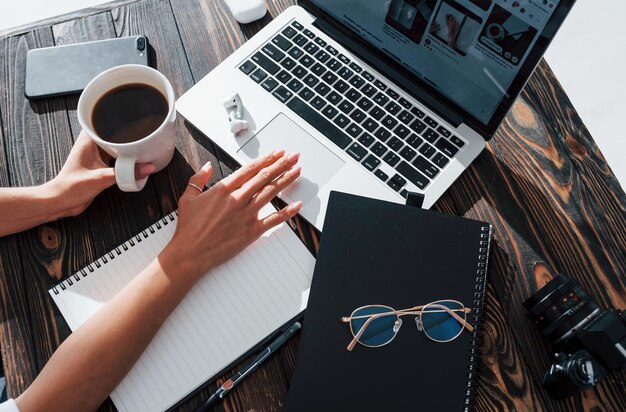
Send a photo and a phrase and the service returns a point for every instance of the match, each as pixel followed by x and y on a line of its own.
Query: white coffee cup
pixel 156 148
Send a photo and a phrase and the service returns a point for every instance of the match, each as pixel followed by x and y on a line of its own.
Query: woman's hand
pixel 84 175
pixel 215 225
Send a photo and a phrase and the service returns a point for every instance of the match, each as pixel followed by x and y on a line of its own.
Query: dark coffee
pixel 129 113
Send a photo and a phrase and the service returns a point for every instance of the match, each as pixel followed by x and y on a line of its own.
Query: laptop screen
pixel 470 51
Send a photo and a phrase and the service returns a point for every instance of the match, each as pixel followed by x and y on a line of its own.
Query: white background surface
pixel 588 56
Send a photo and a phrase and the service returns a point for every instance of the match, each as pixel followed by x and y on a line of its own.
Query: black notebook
pixel 374 252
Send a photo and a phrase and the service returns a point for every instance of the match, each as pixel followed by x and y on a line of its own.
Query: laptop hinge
pixel 389 71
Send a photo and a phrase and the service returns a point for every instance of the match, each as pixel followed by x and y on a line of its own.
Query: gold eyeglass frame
pixel 415 311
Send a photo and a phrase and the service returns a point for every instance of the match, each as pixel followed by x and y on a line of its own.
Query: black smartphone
pixel 60 70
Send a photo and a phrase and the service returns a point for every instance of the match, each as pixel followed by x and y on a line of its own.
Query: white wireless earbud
pixel 234 107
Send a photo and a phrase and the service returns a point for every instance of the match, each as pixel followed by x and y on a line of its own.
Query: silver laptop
pixel 381 98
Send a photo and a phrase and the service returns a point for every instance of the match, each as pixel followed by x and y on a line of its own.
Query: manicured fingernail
pixel 293 157
pixel 296 171
pixel 147 169
pixel 278 152
pixel 206 166
pixel 295 206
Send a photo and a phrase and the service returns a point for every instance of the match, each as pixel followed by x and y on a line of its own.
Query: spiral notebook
pixel 374 252
pixel 205 336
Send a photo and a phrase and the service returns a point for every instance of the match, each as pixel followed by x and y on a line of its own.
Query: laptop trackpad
pixel 318 163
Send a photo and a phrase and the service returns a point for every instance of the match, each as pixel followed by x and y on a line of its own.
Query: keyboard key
pixel 382 134
pixel 427 150
pixel 412 175
pixel 381 99
pixel 392 93
pixel 247 67
pixel 300 40
pixel 282 94
pixel 431 122
pixel 356 67
pixel 318 102
pixel 341 86
pixel 354 130
pixel 311 48
pixel 370 125
pixel 357 81
pixel 408 153
pixel 295 52
pixel 406 117
pixel 345 73
pixel 440 160
pixel 404 193
pixel 322 56
pixel 306 94
pixel 282 42
pixel 288 63
pixel 258 75
pixel 377 113
pixel 417 112
pixel 353 95
pixel 284 76
pixel 263 61
pixel 395 144
pixel 318 122
pixel 368 76
pixel 369 90
pixel 299 72
pixel 379 149
pixel 308 33
pixel 289 32
pixel 418 126
pixel 380 85
pixel 391 159
pixel 322 89
pixel 318 69
pixel 402 131
pixel 443 131
pixel 430 135
pixel 393 108
pixel 414 141
pixel 358 116
pixel 320 42
pixel 381 175
pixel 457 142
pixel 333 64
pixel 344 59
pixel 389 122
pixel 426 167
pixel 334 98
pixel 346 106
pixel 405 103
pixel 330 49
pixel 311 80
pixel 330 77
pixel 341 121
pixel 295 85
pixel 297 25
pixel 371 162
pixel 269 84
pixel 307 60
pixel 397 182
pixel 273 52
pixel 330 111
pixel 446 147
pixel 357 151
pixel 366 139
pixel 365 103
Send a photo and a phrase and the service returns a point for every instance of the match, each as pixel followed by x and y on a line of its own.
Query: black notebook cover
pixel 375 252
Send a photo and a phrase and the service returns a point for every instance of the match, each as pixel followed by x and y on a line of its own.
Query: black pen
pixel 249 368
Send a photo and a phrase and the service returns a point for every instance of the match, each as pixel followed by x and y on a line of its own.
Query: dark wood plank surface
pixel 542 182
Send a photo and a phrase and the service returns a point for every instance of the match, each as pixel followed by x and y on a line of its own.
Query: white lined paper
pixel 230 310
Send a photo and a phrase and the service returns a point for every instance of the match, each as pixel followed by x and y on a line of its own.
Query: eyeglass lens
pixel 380 330
pixel 439 324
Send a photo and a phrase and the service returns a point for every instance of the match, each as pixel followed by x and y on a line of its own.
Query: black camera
pixel 589 343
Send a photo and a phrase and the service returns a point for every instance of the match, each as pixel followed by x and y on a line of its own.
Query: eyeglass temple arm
pixel 356 337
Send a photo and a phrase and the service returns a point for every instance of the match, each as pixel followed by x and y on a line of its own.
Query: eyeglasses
pixel 376 325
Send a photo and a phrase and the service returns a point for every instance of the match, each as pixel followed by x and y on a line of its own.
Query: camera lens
pixel 141 43
pixel 560 307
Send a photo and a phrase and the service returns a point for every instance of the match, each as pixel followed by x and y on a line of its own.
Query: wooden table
pixel 542 182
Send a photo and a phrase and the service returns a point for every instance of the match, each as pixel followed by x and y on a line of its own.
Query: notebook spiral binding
pixel 477 313
pixel 117 251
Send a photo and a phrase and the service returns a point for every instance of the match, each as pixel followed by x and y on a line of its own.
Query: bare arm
pixel 212 227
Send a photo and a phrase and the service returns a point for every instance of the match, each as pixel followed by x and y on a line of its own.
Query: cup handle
pixel 125 175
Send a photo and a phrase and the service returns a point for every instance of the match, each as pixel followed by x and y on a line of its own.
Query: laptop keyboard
pixel 356 111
